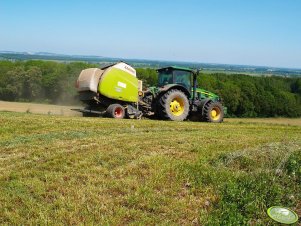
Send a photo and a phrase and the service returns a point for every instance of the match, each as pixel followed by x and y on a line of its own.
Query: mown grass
pixel 69 170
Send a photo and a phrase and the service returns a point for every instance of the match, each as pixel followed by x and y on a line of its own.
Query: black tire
pixel 115 111
pixel 213 112
pixel 173 105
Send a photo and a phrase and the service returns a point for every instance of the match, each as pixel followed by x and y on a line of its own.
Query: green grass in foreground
pixel 72 170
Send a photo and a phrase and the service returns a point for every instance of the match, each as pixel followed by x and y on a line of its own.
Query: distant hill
pixel 142 63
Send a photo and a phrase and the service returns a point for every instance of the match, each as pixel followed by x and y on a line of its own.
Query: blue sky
pixel 252 32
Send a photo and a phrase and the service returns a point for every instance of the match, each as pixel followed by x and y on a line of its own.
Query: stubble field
pixel 73 170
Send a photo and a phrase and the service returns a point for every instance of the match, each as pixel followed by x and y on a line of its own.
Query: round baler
pixel 112 90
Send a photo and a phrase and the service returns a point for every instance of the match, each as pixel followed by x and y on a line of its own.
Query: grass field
pixel 73 170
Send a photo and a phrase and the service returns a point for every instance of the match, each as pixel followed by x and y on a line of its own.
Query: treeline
pixel 39 81
pixel 248 96
pixel 244 96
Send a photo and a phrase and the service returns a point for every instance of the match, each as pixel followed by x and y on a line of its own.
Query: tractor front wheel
pixel 115 111
pixel 173 105
pixel 213 112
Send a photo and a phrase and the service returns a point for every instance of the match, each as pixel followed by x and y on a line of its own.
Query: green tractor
pixel 115 91
pixel 177 97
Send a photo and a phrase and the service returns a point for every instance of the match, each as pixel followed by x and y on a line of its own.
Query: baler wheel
pixel 115 111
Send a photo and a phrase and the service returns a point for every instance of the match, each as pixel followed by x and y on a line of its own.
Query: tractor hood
pixel 206 94
pixel 202 93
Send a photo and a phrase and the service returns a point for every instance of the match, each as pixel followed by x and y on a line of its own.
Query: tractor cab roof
pixel 177 68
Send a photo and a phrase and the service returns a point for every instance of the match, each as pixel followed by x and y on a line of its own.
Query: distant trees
pixel 40 81
pixel 24 83
pixel 296 86
pixel 148 76
pixel 244 96
pixel 248 96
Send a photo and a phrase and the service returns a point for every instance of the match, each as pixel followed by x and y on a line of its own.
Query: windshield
pixel 183 78
pixel 175 77
pixel 165 77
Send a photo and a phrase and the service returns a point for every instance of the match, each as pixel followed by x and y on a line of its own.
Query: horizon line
pixel 43 53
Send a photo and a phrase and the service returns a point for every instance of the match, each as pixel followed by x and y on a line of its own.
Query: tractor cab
pixel 176 75
pixel 187 78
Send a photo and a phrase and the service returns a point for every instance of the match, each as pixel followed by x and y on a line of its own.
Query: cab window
pixel 165 77
pixel 183 78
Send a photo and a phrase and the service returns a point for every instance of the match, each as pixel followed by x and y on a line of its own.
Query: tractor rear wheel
pixel 173 105
pixel 213 112
pixel 115 111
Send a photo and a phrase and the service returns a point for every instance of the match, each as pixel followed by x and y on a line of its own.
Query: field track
pixel 66 111
pixel 38 108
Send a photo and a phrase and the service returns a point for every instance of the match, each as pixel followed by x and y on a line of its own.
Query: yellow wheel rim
pixel 215 113
pixel 177 106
